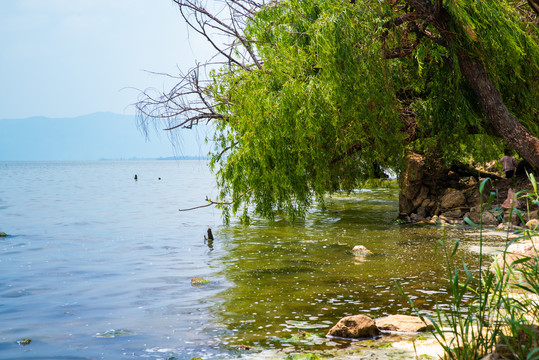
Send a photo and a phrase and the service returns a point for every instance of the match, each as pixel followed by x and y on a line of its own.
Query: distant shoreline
pixel 206 158
pixel 160 158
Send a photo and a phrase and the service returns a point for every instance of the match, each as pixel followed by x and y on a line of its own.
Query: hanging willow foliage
pixel 313 97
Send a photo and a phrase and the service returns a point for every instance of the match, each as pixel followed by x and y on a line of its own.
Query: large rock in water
pixel 355 327
pixel 411 184
pixel 516 252
pixel 404 323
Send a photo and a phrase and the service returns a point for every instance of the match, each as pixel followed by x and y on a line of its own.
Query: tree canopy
pixel 312 97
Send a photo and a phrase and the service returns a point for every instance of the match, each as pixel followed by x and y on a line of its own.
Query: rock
pixel 533 214
pixel 511 201
pixel 244 347
pixel 533 224
pixel 404 323
pixel 427 207
pixel 405 205
pixel 198 281
pixel 515 219
pixel 410 184
pixel 24 342
pixel 504 227
pixel 517 251
pixel 355 327
pixel 453 199
pixel 416 217
pixel 473 196
pixel 422 196
pixel 415 168
pixel 488 218
pixel 455 213
pixel 421 212
pixel 361 250
pixel 3 234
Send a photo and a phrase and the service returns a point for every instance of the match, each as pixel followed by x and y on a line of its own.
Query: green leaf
pixel 455 248
pixel 482 186
pixel 471 223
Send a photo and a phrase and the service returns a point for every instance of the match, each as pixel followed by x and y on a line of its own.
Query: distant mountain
pixel 91 137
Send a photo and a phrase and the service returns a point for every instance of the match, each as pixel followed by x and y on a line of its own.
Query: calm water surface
pixel 99 266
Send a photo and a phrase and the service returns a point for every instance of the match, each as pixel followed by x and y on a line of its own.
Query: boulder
pixel 405 205
pixel 488 218
pixel 455 213
pixel 361 250
pixel 198 281
pixel 355 327
pixel 411 185
pixel 404 323
pixel 420 197
pixel 421 212
pixel 511 201
pixel 415 169
pixel 531 215
pixel 515 219
pixel 517 251
pixel 453 199
pixel 533 224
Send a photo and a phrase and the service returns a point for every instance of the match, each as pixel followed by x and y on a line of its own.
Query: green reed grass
pixel 495 308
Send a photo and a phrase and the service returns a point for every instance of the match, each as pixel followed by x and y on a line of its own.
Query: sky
pixel 66 58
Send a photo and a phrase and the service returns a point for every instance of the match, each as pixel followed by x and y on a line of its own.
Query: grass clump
pixel 494 310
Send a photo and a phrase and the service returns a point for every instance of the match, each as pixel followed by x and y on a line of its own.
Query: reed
pixel 495 309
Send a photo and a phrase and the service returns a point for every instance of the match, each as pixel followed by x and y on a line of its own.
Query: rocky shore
pixel 431 193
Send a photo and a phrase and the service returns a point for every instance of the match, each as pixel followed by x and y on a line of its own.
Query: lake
pixel 99 266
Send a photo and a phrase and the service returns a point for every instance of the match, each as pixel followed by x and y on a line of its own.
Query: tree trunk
pixel 504 123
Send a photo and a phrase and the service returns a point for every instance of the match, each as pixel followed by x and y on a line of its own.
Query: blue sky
pixel 65 58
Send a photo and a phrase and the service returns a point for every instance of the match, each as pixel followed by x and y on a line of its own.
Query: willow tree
pixel 312 97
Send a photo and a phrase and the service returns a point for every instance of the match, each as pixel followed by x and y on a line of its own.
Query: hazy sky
pixel 64 58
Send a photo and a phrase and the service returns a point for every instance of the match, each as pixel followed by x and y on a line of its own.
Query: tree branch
pixel 534 5
pixel 211 202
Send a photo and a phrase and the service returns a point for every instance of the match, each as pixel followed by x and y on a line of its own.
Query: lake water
pixel 99 266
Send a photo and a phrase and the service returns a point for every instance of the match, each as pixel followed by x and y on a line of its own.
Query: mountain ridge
pixel 93 136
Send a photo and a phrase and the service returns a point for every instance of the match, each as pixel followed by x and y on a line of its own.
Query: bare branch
pixel 534 5
pixel 201 20
pixel 185 105
pixel 211 202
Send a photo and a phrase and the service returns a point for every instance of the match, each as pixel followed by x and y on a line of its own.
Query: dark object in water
pixel 24 342
pixel 209 240
pixel 136 177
